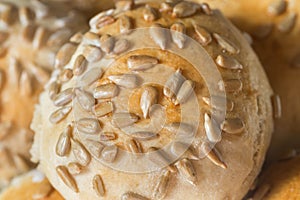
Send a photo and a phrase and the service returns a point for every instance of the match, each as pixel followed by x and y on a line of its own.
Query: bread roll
pixel 32 185
pixel 280 181
pixel 275 27
pixel 137 120
pixel 31 32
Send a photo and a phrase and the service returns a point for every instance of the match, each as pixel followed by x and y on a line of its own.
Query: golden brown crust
pixel 278 52
pixel 27 187
pixel 248 125
pixel 282 180
pixel 31 32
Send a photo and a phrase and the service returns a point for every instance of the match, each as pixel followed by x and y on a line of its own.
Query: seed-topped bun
pixel 274 26
pixel 31 32
pixel 152 113
pixel 90 7
pixel 32 185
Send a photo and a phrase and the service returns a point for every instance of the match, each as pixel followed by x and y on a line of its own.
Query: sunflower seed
pixel 213 155
pixel 91 76
pixel 44 192
pixel 67 178
pixel 80 65
pixel 14 70
pixel 122 120
pixel 107 136
pixel 133 146
pixel 63 144
pixel 41 74
pixel 178 32
pixel 39 37
pixel 187 170
pixel 185 9
pixel 248 37
pixel 261 192
pixel 160 189
pixel 85 99
pixel 226 44
pixel 58 38
pixel 124 5
pixel 88 126
pixel 173 84
pixel 125 80
pixel 95 148
pixel 228 62
pixel 159 157
pixel 206 9
pixel 6 13
pixel 204 37
pixel 141 62
pixel 109 153
pixel 64 55
pixel 133 196
pixel 230 85
pixel 103 108
pixel 107 43
pixel 287 23
pixel 125 24
pixel 75 168
pixel 92 53
pixel 184 92
pixel 60 114
pixel 65 75
pixel 159 35
pixel 165 7
pixel 148 98
pixel 150 14
pixel 219 103
pixel 25 84
pixel 212 129
pixel 91 38
pixel 263 31
pixel 180 128
pixel 54 89
pixel 64 97
pixel 98 185
pixel 143 135
pixel 80 153
pixel 180 149
pixel 26 16
pixel 233 126
pixel 100 21
pixel 109 90
pixel 276 103
pixel 76 38
pixel 277 7
pixel 121 46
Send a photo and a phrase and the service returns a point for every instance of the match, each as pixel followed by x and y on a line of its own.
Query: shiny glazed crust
pixel 242 153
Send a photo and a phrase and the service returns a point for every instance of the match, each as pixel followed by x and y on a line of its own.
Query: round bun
pixel 151 113
pixel 89 7
pixel 280 181
pixel 32 185
pixel 276 41
pixel 31 32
